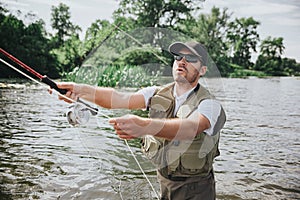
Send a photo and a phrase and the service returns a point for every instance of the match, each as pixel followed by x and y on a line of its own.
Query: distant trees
pixel 271 61
pixel 61 23
pixel 243 36
pixel 28 43
pixel 157 13
pixel 230 43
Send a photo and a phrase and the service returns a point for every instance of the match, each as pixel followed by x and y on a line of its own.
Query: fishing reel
pixel 78 114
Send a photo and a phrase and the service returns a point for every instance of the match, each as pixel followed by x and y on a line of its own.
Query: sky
pixel 278 18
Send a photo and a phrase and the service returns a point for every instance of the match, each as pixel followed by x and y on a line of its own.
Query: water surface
pixel 42 157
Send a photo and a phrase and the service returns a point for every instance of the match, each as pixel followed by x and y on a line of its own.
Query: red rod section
pixel 21 64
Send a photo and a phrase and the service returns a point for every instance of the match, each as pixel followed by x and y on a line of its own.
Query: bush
pixel 127 76
pixel 114 76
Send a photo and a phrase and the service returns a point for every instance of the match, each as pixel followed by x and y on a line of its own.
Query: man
pixel 182 132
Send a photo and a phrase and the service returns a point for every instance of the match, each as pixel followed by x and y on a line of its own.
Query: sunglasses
pixel 188 57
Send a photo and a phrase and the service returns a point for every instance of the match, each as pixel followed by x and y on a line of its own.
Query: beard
pixel 186 79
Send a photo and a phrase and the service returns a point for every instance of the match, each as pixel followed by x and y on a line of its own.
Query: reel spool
pixel 78 114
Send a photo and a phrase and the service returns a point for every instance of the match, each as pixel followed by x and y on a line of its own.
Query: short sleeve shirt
pixel 210 108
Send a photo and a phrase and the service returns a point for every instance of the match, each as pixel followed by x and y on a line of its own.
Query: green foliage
pixel 270 60
pixel 230 43
pixel 157 13
pixel 127 76
pixel 210 30
pixel 60 21
pixel 240 72
pixel 115 76
pixel 243 36
pixel 272 47
pixel 291 67
pixel 139 56
pixel 28 43
pixel 278 66
pixel 69 55
pixel 96 34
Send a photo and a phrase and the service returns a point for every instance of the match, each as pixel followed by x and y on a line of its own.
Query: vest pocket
pixel 150 148
pixel 183 164
pixel 191 164
pixel 173 160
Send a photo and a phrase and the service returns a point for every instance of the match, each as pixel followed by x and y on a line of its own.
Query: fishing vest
pixel 182 158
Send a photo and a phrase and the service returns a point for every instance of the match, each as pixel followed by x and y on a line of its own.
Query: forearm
pixel 102 96
pixel 111 98
pixel 98 95
pixel 132 126
pixel 178 129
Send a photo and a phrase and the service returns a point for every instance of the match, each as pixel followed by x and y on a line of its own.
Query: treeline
pixel 231 43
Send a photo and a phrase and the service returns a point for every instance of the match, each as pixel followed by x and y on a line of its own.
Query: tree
pixel 291 67
pixel 157 13
pixel 176 11
pixel 67 45
pixel 28 43
pixel 210 30
pixel 37 47
pixel 272 48
pixel 242 34
pixel 270 60
pixel 60 21
pixel 146 12
pixel 70 55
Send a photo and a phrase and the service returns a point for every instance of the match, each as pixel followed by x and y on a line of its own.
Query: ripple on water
pixel 42 157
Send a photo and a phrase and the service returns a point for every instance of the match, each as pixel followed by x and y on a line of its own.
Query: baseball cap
pixel 196 48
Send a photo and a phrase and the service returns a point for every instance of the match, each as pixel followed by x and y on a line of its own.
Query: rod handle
pixel 53 85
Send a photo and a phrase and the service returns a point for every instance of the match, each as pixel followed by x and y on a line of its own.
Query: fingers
pixel 126 137
pixel 66 85
pixel 70 96
pixel 50 90
pixel 122 129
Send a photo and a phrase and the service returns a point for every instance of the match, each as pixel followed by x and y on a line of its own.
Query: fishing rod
pixel 43 78
pixel 78 114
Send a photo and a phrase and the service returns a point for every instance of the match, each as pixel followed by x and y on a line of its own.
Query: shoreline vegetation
pixel 231 43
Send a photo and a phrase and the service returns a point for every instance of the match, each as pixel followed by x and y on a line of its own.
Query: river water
pixel 43 157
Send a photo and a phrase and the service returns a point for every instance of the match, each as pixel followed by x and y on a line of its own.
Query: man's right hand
pixel 72 91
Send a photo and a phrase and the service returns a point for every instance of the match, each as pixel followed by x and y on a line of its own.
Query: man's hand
pixel 131 126
pixel 72 91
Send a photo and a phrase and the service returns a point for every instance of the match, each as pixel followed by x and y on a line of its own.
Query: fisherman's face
pixel 187 70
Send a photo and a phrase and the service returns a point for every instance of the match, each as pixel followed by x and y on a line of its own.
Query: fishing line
pixel 104 115
pixel 143 172
pixel 59 94
pixel 131 37
pixel 9 65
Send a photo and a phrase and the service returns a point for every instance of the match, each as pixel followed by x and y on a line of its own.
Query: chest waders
pixel 184 158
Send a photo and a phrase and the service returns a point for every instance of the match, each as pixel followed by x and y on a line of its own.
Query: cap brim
pixel 176 47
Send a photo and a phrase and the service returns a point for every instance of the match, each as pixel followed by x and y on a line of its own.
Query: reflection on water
pixel 42 157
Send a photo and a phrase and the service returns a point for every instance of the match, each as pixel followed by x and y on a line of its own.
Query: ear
pixel 202 70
